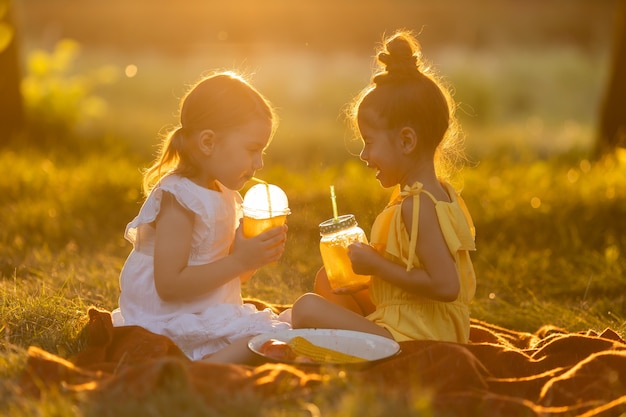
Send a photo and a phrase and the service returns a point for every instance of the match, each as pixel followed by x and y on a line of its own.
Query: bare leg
pixel 236 352
pixel 359 302
pixel 313 311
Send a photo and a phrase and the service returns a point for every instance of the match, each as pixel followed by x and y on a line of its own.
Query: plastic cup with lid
pixel 264 206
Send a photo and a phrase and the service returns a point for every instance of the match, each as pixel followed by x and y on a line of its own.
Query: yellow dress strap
pixel 414 192
pixel 456 235
pixel 387 229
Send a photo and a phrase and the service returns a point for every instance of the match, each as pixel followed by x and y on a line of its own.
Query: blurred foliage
pixel 7 32
pixel 515 85
pixel 501 70
pixel 61 101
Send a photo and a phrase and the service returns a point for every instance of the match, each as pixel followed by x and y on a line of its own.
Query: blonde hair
pixel 405 91
pixel 221 101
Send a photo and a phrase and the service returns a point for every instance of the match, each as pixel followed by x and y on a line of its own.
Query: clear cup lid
pixel 266 199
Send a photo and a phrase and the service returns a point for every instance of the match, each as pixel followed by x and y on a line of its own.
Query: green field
pixel 550 244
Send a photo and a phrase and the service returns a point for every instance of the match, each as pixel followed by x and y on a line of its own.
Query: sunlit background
pixel 527 73
pixel 101 80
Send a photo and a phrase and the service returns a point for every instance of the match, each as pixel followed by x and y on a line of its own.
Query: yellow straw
pixel 269 199
pixel 333 200
pixel 267 190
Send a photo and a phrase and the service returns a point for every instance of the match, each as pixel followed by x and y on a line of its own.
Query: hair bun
pixel 400 57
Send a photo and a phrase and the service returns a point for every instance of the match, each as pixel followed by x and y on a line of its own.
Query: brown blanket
pixel 499 373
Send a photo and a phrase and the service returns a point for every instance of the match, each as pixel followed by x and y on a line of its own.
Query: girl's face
pixel 380 149
pixel 238 153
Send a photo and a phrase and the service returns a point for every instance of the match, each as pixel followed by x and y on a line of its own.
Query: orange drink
pixel 336 236
pixel 253 226
pixel 264 206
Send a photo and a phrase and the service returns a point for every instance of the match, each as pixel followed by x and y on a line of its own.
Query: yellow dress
pixel 409 316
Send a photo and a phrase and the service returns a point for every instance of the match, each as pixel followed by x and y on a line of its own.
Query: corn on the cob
pixel 302 346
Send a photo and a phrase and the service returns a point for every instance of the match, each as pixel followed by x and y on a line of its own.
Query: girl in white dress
pixel 183 277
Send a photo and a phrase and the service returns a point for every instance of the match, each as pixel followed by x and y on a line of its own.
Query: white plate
pixel 363 345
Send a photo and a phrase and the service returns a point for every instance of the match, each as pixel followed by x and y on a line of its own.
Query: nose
pixel 363 154
pixel 257 162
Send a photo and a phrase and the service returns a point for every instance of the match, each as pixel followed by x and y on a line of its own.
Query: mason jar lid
pixel 343 222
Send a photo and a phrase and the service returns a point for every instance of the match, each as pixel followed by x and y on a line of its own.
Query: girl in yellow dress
pixel 422 277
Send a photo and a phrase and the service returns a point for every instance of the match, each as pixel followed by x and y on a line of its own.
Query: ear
pixel 408 139
pixel 206 141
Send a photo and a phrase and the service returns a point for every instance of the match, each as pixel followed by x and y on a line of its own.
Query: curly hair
pixel 406 91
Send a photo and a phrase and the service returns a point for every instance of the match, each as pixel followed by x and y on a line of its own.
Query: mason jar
pixel 336 236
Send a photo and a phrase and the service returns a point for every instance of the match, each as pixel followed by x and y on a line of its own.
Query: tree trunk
pixel 612 132
pixel 11 106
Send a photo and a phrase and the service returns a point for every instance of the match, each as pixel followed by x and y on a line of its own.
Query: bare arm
pixel 176 281
pixel 437 280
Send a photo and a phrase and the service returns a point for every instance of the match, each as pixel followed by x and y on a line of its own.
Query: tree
pixel 11 106
pixel 612 132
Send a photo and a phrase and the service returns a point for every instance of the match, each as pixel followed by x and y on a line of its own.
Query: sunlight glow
pixel 611 253
pixel 130 70
pixel 572 175
pixel 494 182
pixel 620 153
pixel 535 202
pixel 585 166
pixel 610 193
pixel 6 36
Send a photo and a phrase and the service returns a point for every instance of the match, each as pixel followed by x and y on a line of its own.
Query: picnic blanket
pixel 500 372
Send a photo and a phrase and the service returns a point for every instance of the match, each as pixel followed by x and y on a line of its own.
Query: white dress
pixel 213 320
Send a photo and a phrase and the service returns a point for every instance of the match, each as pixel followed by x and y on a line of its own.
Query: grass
pixel 550 251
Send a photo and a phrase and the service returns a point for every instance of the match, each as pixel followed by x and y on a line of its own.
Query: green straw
pixel 333 200
pixel 258 180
